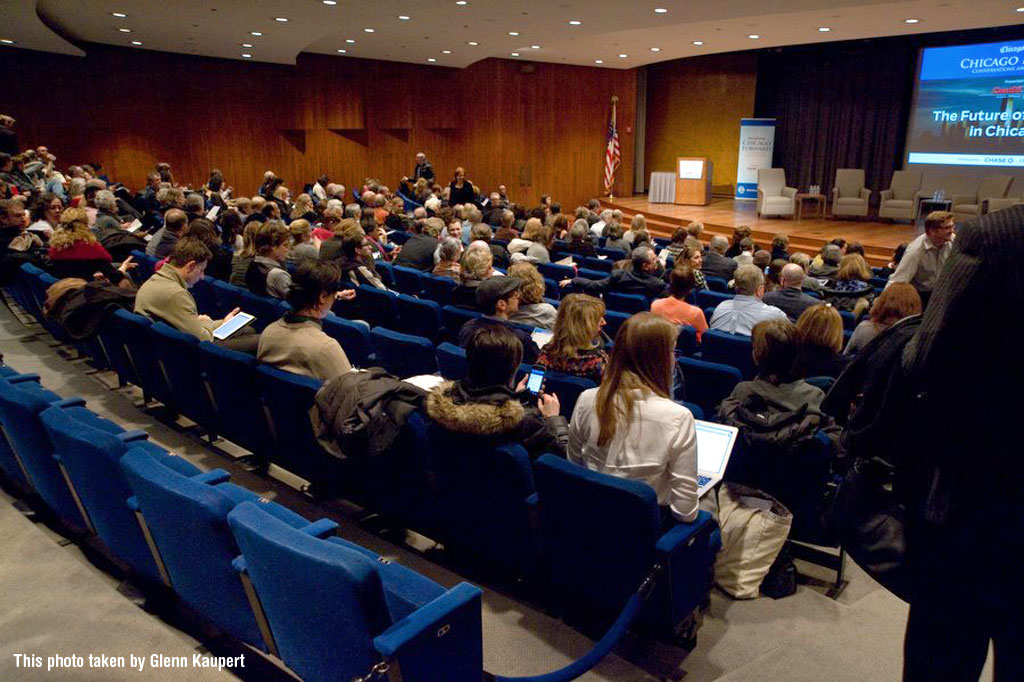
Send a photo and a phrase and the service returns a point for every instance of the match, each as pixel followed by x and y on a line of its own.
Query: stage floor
pixel 722 215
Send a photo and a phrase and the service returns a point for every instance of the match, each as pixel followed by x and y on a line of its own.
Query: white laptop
pixel 714 446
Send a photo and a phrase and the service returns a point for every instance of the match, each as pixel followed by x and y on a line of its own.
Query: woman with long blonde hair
pixel 630 428
pixel 576 347
pixel 75 252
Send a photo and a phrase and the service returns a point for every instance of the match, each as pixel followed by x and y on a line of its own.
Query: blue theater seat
pixel 707 383
pixel 729 349
pixel 627 303
pixel 568 388
pixel 711 299
pixel 377 307
pixel 287 399
pixel 265 308
pixel 177 354
pixel 403 355
pixel 451 361
pixel 438 289
pixel 230 380
pixel 354 338
pixel 420 317
pixel 134 333
pixel 407 280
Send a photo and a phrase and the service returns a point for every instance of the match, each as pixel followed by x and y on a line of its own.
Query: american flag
pixel 611 156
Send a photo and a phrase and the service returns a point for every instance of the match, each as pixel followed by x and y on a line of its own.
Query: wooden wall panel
pixel 504 121
pixel 694 107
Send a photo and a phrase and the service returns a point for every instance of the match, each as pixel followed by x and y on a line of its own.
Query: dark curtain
pixel 838 106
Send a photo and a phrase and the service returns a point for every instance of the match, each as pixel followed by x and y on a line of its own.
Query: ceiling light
pixel 119 15
pixel 368 30
pixel 534 47
pixel 753 36
pixel 125 30
pixel 513 33
pixel 824 29
pixel 330 2
pixel 343 51
pixel 623 55
pixel 136 42
pixel 473 43
pixel 246 44
pixel 446 51
pixel 461 2
pixel 698 43
pixel 599 61
pixel 575 22
pixel 431 59
pixel 911 21
pixel 246 55
pixel 6 41
pixel 1020 9
pixel 655 49
pixel 349 40
pixel 515 54
pixel 281 19
pixel 255 33
pixel 403 17
pixel 661 10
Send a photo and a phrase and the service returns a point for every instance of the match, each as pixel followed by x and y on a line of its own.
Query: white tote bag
pixel 754 528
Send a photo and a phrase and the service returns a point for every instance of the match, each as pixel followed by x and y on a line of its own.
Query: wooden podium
pixel 693 181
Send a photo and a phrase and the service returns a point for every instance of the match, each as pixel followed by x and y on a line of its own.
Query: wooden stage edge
pixel 808 234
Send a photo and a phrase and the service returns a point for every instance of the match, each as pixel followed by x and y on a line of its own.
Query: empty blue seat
pixel 90 458
pixel 228 296
pixel 587 273
pixel 707 383
pixel 605 265
pixel 403 355
pixel 134 332
pixel 230 378
pixel 376 306
pixel 178 356
pixel 627 303
pixel 386 272
pixel 265 308
pixel 711 299
pixel 451 361
pixel 206 299
pixel 186 516
pixel 729 349
pixel 551 289
pixel 555 271
pixel 454 318
pixel 438 289
pixel 614 320
pixel 603 534
pixel 420 317
pixel 613 254
pixel 408 280
pixel 568 388
pixel 719 284
pixel 354 338
pixel 146 265
pixel 686 341
pixel 358 610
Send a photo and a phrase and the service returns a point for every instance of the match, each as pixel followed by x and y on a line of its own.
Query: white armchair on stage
pixel 1000 204
pixel 899 202
pixel 773 197
pixel 991 187
pixel 849 195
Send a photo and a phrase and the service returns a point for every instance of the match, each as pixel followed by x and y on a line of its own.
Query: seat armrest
pixel 885 194
pixel 133 436
pixel 683 533
pixel 789 192
pixel 964 199
pixel 865 194
pixel 321 528
pixel 212 477
pixel 238 563
pixel 133 503
pixel 18 378
pixel 533 501
pixel 835 194
pixel 69 402
pixel 760 193
pixel 430 620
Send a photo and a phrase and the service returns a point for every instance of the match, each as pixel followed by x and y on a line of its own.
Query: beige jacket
pixel 302 348
pixel 165 297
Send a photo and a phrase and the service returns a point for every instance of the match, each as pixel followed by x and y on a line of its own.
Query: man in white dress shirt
pixel 739 315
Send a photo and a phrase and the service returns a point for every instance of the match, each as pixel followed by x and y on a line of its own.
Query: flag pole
pixel 611 187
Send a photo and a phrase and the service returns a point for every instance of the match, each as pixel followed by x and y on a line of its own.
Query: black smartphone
pixel 535 381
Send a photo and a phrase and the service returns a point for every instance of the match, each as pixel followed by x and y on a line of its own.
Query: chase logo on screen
pixel 973 61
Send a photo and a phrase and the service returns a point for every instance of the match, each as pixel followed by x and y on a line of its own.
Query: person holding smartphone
pixel 485 404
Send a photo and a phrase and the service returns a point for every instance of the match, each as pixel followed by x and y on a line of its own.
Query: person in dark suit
pixel 964 365
pixel 790 298
pixel 423 169
pixel 716 263
pixel 643 277
pixel 418 252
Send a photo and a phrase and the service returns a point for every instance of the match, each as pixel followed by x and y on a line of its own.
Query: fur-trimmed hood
pixel 490 414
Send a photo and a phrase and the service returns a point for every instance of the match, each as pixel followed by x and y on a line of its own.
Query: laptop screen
pixel 714 443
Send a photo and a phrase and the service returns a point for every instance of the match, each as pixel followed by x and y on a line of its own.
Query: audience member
pixel 780 246
pixel 896 302
pixel 850 290
pixel 163 241
pixel 533 309
pixel 498 299
pixel 746 253
pixel 476 267
pixel 890 267
pixel 926 254
pixel 576 347
pixel 643 277
pixel 694 257
pixel 219 265
pixel 819 331
pixel 637 224
pixel 674 307
pixel 804 261
pixel 739 233
pixel 739 315
pixel 266 275
pixel 613 231
pixel 533 233
pixel 44 213
pixel 296 343
pixel 302 247
pixel 580 243
pixel 481 232
pixel 598 227
pixel 716 263
pixel 461 191
pixel 75 252
pixel 789 298
pixel 830 256
pixel 418 252
pixel 450 253
pixel 629 427
pixel 422 170
pixel 484 404
pixel 243 257
pixel 355 262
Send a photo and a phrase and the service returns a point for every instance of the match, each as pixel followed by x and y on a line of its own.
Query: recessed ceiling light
pixel 330 2
pixel 125 30
pixel 403 17
pixel 599 61
pixel 515 54
pixel 136 42
pixel 1020 9
pixel 446 51
pixel 246 44
pixel 246 55
pixel 623 55
pixel 431 59
pixel 661 10
pixel 911 21
pixel 534 47
pixel 6 41
pixel 698 43
pixel 655 49
pixel 824 29
pixel 753 36
pixel 575 22
pixel 461 2
pixel 343 51
pixel 255 33
pixel 473 43
pixel 513 33
pixel 349 40
pixel 281 19
pixel 368 30
pixel 119 15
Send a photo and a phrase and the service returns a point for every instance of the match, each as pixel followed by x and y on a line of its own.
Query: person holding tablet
pixel 296 343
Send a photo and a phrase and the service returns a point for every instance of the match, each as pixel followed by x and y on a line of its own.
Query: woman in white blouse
pixel 630 428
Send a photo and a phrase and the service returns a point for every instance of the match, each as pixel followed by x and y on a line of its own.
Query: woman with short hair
pixel 674 307
pixel 575 347
pixel 630 428
pixel 533 309
pixel 820 333
pixel 899 300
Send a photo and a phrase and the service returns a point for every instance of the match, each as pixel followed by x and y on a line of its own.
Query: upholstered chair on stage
pixel 972 205
pixel 773 197
pixel 993 204
pixel 849 195
pixel 899 202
